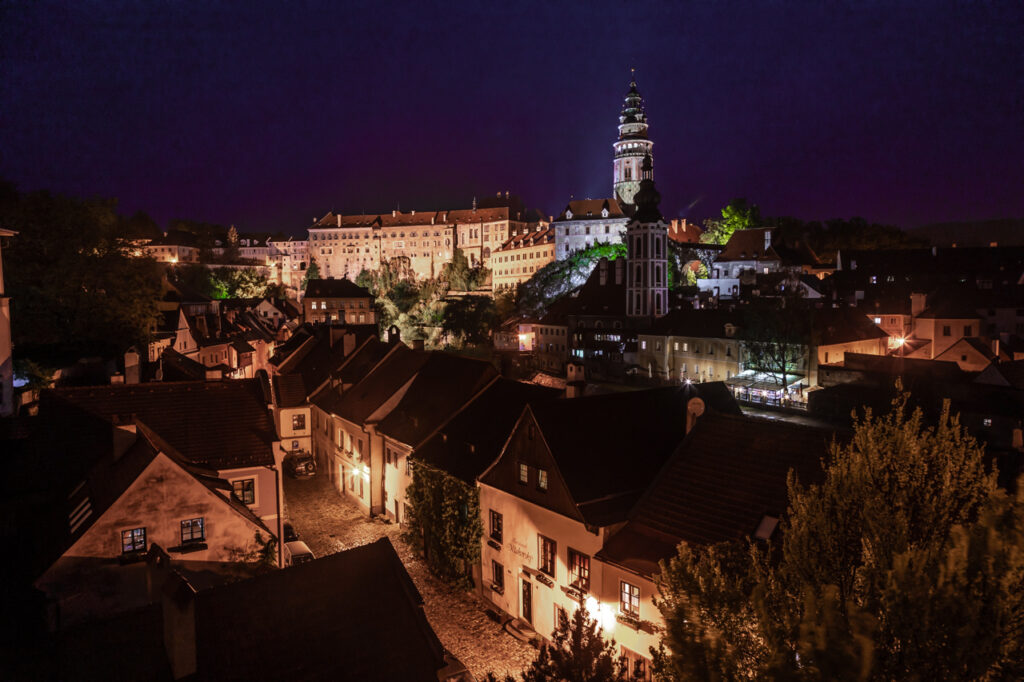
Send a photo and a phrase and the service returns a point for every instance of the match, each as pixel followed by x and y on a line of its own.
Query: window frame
pixel 547 551
pixel 298 421
pixel 542 480
pixel 190 524
pixel 133 534
pixel 629 600
pixel 524 473
pixel 497 530
pixel 234 489
pixel 577 560
pixel 497 576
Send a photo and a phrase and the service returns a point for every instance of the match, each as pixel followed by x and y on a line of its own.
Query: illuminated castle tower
pixel 647 255
pixel 631 147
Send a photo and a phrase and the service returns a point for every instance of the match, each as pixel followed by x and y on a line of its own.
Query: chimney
pixel 214 374
pixel 394 336
pixel 995 349
pixel 602 266
pixel 394 213
pixel 918 302
pixel 123 436
pixel 417 344
pixel 620 270
pixel 412 212
pixel 339 220
pixel 767 239
pixel 132 370
pixel 694 409
pixel 1018 439
pixel 179 611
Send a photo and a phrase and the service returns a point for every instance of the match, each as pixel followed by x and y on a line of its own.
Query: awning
pixel 759 381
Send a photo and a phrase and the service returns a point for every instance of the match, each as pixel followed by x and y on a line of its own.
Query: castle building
pixel 586 222
pixel 521 256
pixel 631 148
pixel 647 259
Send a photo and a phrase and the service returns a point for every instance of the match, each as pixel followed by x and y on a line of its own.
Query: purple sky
pixel 264 115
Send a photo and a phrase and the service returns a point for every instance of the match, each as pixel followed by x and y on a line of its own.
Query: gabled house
pixel 565 480
pixel 758 252
pixel 140 491
pixel 338 300
pixel 354 615
pixel 725 482
pixel 223 426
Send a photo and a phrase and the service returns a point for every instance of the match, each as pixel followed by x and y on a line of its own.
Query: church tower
pixel 647 251
pixel 631 147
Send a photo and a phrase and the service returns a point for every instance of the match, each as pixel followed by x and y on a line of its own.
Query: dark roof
pixel 354 615
pixel 584 209
pixel 597 299
pixel 383 381
pixel 612 445
pixel 289 390
pixel 748 245
pixel 702 323
pixel 178 367
pixel 473 439
pixel 335 288
pixel 531 238
pixel 443 385
pixel 843 325
pixel 221 424
pixel 719 484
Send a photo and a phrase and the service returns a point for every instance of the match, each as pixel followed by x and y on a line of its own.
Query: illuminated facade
pixel 647 261
pixel 521 256
pixel 631 148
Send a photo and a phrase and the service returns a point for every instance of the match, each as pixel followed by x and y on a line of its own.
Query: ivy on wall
pixel 444 523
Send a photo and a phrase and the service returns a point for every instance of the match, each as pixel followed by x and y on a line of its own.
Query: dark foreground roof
pixel 720 483
pixel 355 615
pixel 471 441
pixel 335 288
pixel 221 424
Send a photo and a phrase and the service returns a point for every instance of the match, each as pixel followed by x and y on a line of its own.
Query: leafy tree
pixel 312 272
pixel 444 523
pixel 470 319
pixel 231 253
pixel 141 226
pixel 578 653
pixel 905 563
pixel 737 215
pixel 460 276
pixel 558 278
pixel 72 276
pixel 776 335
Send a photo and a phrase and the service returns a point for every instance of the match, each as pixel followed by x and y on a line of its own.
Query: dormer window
pixel 568 214
pixel 604 213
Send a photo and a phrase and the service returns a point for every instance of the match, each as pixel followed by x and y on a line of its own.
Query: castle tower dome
pixel 631 148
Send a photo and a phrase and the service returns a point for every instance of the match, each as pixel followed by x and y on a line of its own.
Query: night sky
pixel 264 114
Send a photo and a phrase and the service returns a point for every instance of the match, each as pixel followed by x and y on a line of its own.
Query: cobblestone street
pixel 329 523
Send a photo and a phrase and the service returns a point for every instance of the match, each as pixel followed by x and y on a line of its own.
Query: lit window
pixel 133 540
pixel 542 479
pixel 986 422
pixel 298 422
pixel 192 530
pixel 245 490
pixel 524 474
pixel 878 320
pixel 629 600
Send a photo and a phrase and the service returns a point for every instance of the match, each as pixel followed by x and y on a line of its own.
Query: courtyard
pixel 329 523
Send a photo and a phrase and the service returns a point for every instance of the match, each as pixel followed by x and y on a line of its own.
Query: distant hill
pixel 1003 231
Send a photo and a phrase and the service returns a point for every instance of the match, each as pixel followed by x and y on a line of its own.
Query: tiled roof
pixel 594 298
pixel 289 390
pixel 383 381
pixel 430 219
pixel 614 444
pixel 354 615
pixel 532 238
pixel 590 209
pixel 748 245
pixel 719 484
pixel 220 424
pixel 702 323
pixel 443 385
pixel 468 444
pixel 177 367
pixel 335 288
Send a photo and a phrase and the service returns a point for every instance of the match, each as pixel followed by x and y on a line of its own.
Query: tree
pixel 906 562
pixel 776 335
pixel 231 253
pixel 312 272
pixel 737 215
pixel 444 523
pixel 470 319
pixel 578 653
pixel 460 276
pixel 72 276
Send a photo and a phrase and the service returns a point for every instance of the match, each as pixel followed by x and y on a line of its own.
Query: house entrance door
pixel 527 601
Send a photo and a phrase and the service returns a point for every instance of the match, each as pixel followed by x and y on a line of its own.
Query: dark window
pixel 192 530
pixel 298 422
pixel 947 331
pixel 579 570
pixel 542 479
pixel 629 600
pixel 524 473
pixel 497 576
pixel 133 540
pixel 245 490
pixel 968 330
pixel 547 555
pixel 496 526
